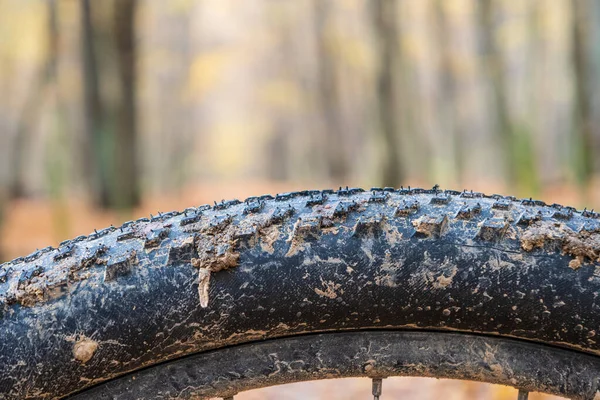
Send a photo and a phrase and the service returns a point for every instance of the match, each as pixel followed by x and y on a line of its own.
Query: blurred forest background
pixel 112 109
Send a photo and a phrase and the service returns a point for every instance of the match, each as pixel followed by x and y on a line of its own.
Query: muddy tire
pixel 99 307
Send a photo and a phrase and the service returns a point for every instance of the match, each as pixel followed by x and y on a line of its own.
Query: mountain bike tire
pixel 134 299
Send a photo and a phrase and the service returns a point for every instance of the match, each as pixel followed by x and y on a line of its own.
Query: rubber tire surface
pixel 316 261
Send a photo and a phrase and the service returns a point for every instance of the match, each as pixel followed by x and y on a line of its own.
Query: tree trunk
pixel 385 21
pixel 333 137
pixel 583 111
pixel 32 109
pixel 492 61
pixel 126 178
pixel 111 120
pixel 96 156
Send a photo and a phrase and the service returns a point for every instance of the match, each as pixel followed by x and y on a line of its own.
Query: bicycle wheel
pixel 195 303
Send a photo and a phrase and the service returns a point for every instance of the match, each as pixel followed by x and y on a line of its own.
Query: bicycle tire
pixel 181 283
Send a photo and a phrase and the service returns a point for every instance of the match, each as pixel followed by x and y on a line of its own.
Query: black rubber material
pixel 177 284
pixel 376 354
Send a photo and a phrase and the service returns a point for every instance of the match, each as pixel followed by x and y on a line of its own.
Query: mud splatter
pixel 84 349
pixel 218 245
pixel 543 235
pixel 392 234
pixel 217 249
pixel 582 246
pixel 269 236
pixel 330 289
pixel 437 273
pixel 444 281
pixel 303 230
pixel 38 285
pixel 203 285
pixel 431 226
pixel 576 263
pixel 389 269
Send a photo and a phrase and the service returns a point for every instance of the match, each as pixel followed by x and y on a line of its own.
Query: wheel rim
pixel 377 354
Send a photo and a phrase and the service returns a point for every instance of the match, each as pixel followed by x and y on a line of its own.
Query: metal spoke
pixel 377 383
pixel 523 395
